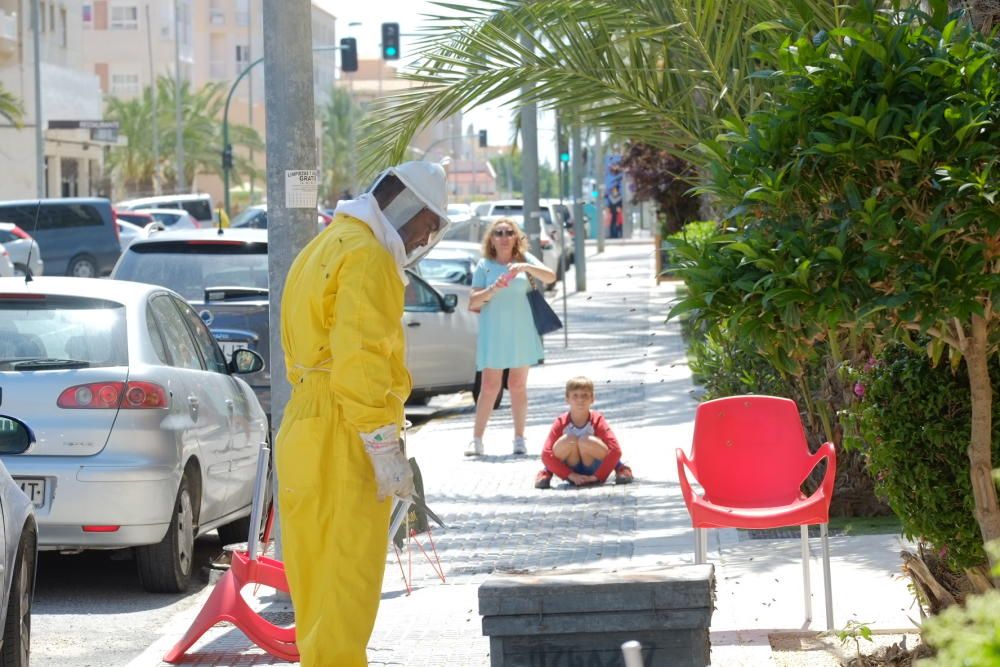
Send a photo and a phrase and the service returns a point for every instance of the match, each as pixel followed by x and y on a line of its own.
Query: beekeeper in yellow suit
pixel 338 450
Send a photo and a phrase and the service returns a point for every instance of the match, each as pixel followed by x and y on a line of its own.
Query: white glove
pixel 393 474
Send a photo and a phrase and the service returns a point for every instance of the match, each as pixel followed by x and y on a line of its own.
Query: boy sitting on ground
pixel 581 448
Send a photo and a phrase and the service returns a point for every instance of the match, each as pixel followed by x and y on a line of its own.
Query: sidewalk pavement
pixel 498 522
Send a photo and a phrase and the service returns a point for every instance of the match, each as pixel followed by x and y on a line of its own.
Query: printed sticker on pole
pixel 301 188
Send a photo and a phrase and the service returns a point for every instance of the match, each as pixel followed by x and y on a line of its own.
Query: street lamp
pixel 227 150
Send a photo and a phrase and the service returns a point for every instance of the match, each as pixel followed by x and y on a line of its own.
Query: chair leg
pixel 807 592
pixel 700 545
pixel 827 583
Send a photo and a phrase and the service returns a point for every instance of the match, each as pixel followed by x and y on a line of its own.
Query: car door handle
pixel 413 324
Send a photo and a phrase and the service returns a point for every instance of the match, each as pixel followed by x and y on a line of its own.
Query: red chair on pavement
pixel 749 455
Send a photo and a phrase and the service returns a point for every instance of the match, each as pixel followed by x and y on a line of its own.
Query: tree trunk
pixel 984 490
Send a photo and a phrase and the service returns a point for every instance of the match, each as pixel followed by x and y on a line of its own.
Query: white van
pixel 198 205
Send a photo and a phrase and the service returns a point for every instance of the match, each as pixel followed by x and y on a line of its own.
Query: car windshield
pixel 254 218
pixel 188 267
pixel 45 327
pixel 455 271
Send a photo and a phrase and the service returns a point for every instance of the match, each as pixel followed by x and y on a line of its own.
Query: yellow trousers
pixel 334 529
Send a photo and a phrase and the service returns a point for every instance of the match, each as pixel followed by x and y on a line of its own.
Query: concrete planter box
pixel 582 617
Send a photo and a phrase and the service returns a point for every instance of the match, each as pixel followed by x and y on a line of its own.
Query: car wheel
pixel 235 532
pixel 165 567
pixel 82 267
pixel 17 629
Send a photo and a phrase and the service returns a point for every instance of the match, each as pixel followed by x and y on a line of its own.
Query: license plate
pixel 34 488
pixel 228 347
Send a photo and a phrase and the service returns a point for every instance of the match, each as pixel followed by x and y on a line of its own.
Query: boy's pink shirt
pixel 601 430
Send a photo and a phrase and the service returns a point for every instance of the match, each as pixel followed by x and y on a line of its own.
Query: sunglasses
pixel 500 233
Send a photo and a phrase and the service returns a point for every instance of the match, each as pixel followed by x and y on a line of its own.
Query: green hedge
pixel 913 424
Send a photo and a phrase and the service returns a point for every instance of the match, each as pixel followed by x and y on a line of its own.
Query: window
pixel 242 58
pixel 125 17
pixel 210 351
pixel 155 337
pixel 216 14
pixel 419 297
pixel 176 337
pixel 67 216
pixel 63 39
pixel 243 12
pixel 124 85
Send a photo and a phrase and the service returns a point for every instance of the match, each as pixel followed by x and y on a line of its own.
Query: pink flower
pixel 859 389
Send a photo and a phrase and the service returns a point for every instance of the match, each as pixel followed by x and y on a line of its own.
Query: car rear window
pixel 189 267
pixel 198 208
pixel 35 326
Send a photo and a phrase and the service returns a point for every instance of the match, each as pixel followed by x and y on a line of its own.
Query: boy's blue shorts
pixel 582 469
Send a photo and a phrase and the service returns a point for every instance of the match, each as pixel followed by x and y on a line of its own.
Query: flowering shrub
pixel 912 423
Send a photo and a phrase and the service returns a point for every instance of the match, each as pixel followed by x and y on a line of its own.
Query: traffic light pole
pixel 576 188
pixel 227 149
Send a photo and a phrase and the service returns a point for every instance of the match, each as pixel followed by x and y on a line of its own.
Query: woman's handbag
pixel 546 320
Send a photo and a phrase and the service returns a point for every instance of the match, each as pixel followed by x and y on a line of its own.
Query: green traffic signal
pixel 564 157
pixel 389 51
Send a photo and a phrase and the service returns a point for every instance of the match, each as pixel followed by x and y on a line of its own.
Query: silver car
pixel 19 537
pixel 142 436
pixel 23 250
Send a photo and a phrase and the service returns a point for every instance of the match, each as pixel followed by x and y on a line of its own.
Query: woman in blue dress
pixel 507 334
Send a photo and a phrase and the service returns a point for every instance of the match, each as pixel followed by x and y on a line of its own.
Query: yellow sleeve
pixel 365 331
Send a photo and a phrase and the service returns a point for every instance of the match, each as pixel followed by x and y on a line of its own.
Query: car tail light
pixel 100 529
pixel 109 395
pixel 20 233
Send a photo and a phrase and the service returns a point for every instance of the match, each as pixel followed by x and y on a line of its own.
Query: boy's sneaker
pixel 520 449
pixel 623 475
pixel 475 447
pixel 543 480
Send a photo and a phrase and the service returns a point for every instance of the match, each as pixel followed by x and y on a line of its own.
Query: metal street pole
pixel 36 19
pixel 576 188
pixel 529 168
pixel 152 93
pixel 178 107
pixel 599 179
pixel 291 159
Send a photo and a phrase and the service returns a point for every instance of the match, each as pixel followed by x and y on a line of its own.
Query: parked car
pixel 450 262
pixel 141 434
pixel 255 217
pixel 198 205
pixel 139 219
pixel 20 555
pixel 550 217
pixel 225 279
pixel 6 266
pixel 172 218
pixel 128 232
pixel 77 236
pixel 24 251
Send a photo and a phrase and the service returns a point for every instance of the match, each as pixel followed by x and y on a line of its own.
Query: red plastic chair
pixel 750 456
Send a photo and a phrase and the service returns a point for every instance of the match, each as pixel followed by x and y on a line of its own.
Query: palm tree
pixel 341 116
pixel 663 72
pixel 134 163
pixel 10 107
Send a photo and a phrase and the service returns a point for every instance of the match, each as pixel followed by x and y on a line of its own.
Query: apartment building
pixel 72 158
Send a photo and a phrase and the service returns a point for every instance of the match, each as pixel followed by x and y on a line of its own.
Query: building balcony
pixel 8 33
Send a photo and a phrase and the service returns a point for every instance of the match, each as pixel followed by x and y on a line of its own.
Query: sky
pixel 495 119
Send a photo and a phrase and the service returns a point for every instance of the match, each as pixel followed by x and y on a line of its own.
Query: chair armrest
pixel 684 463
pixel 828 452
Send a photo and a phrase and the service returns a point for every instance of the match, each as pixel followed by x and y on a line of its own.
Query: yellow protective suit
pixel 343 340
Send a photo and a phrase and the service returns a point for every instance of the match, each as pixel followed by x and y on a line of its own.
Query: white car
pixel 6 266
pixel 198 205
pixel 23 250
pixel 551 214
pixel 450 263
pixel 171 218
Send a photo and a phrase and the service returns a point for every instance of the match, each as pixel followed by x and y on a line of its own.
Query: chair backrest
pixel 749 451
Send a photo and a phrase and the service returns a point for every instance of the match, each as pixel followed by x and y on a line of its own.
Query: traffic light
pixel 348 54
pixel 227 157
pixel 482 139
pixel 563 149
pixel 390 41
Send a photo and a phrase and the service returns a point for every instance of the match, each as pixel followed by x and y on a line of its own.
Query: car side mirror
pixel 245 361
pixel 450 302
